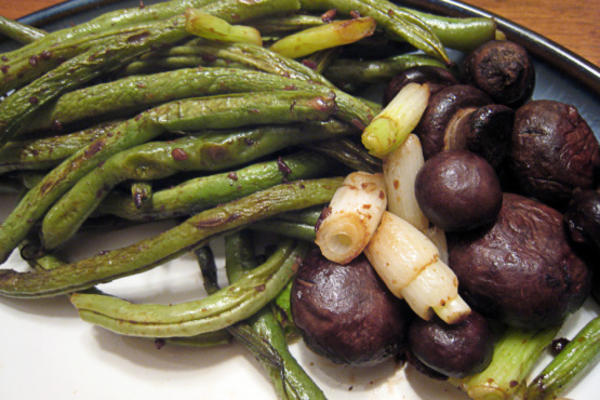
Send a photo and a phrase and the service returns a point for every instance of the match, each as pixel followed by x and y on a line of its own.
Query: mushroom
pixel 582 218
pixel 553 151
pixel 457 190
pixel 436 77
pixel 503 70
pixel 464 117
pixel 456 350
pixel 521 270
pixel 346 313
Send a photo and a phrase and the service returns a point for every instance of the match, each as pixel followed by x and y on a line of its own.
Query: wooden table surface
pixel 571 23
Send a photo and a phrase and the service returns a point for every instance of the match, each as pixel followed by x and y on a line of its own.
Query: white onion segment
pixel 410 266
pixel 352 218
pixel 399 252
pixel 438 237
pixel 400 170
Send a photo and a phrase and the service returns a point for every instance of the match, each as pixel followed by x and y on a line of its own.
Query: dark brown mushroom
pixel 521 270
pixel 455 350
pixel 582 218
pixel 457 190
pixel 553 151
pixel 346 313
pixel 447 112
pixel 502 69
pixel 436 77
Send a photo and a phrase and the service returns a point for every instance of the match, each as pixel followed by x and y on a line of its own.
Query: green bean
pixel 223 308
pixel 135 93
pixel 356 72
pixel 193 232
pixel 18 108
pixel 286 24
pixel 395 21
pixel 157 160
pixel 580 353
pixel 463 34
pixel 44 153
pixel 289 229
pixel 32 252
pixel 209 339
pixel 262 334
pixel 160 63
pixel 348 153
pixel 218 112
pixel 106 22
pixel 255 57
pixel 20 32
pixel 199 193
pixel 19 69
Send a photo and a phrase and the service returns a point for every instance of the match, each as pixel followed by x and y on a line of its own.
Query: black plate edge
pixel 551 52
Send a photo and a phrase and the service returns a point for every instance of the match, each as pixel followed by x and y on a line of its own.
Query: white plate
pixel 47 352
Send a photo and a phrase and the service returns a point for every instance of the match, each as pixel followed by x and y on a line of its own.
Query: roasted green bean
pixel 218 112
pixel 150 252
pixel 20 32
pixel 223 308
pixel 199 193
pixel 157 160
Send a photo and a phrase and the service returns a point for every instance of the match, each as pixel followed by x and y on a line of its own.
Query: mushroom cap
pixel 553 151
pixel 502 69
pixel 436 77
pixel 521 270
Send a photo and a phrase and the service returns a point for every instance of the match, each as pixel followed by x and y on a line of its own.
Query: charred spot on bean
pixel 57 125
pixel 46 55
pixel 94 148
pixel 179 154
pixel 290 87
pixel 33 60
pixel 5 69
pixel 34 100
pixel 354 14
pixel 233 176
pixel 208 58
pixel 138 38
pixel 328 15
pixel 4 58
pixel 214 222
pixel 260 288
pixel 249 141
pixel 358 124
pixel 283 167
pixel 309 63
pixel 558 345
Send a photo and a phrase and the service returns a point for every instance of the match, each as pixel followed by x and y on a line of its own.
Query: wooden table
pixel 571 23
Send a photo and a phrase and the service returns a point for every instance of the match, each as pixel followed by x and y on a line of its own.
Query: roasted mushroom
pixel 455 350
pixel 521 270
pixel 553 151
pixel 436 77
pixel 457 190
pixel 582 218
pixel 503 70
pixel 445 113
pixel 346 313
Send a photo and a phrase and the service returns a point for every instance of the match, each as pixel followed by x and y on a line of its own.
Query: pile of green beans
pixel 130 117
